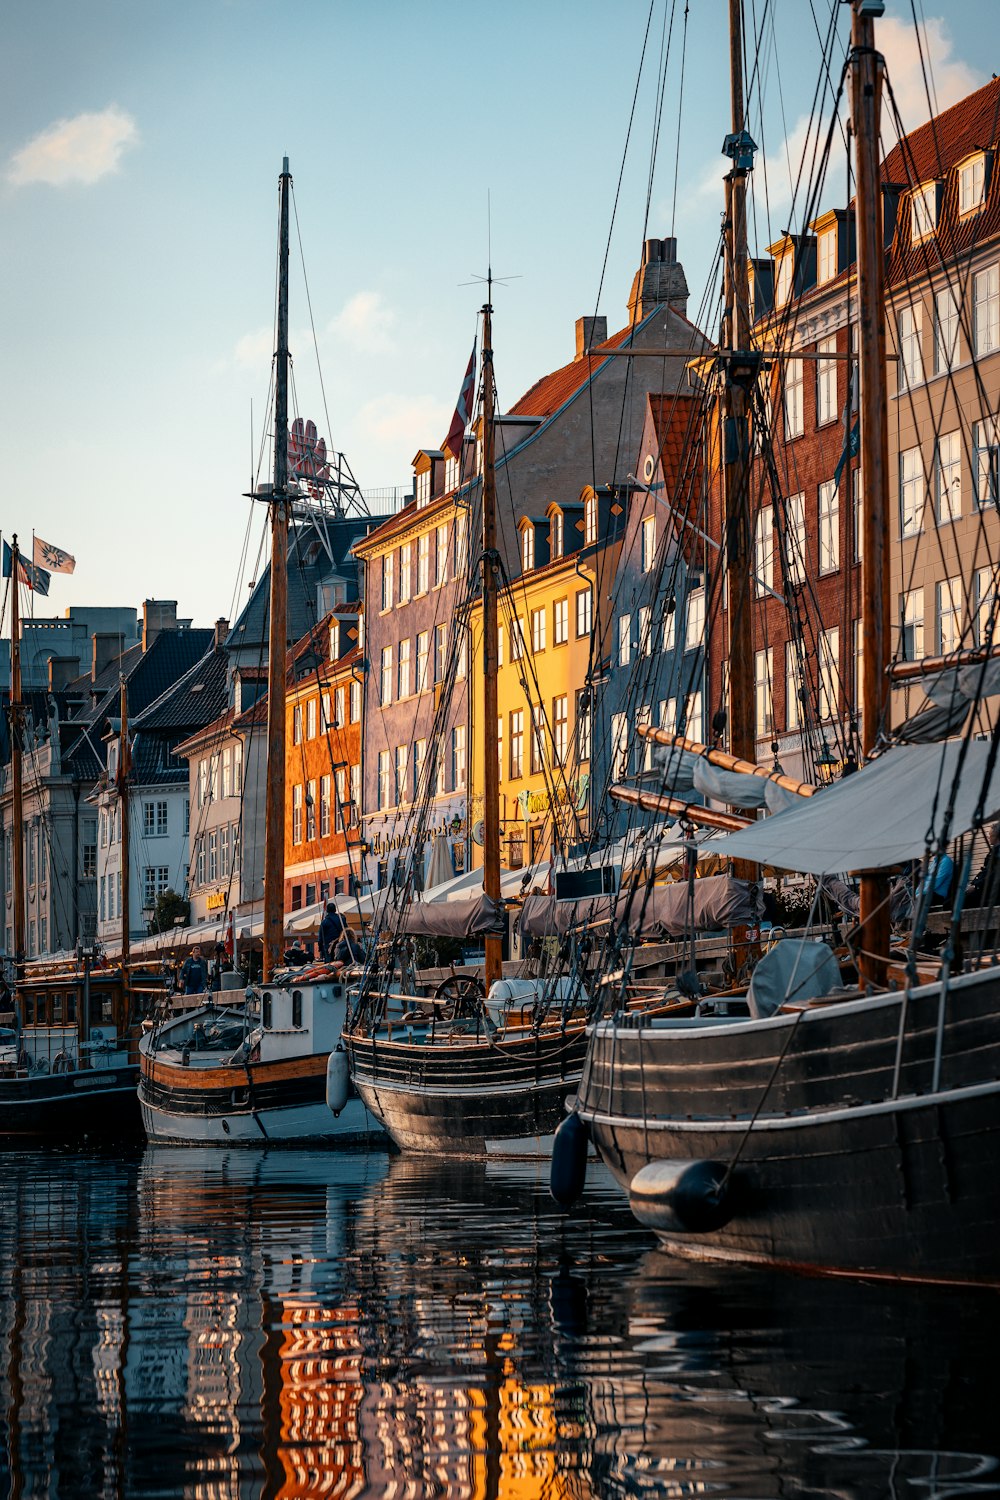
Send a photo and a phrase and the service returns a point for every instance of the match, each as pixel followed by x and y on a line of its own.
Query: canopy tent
pixel 715 901
pixel 889 812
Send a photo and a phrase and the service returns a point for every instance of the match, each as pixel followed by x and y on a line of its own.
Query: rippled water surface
pixel 204 1323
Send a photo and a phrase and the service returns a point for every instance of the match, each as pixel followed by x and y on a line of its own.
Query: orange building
pixel 323 762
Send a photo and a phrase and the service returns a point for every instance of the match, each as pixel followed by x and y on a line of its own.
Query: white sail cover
pixel 885 814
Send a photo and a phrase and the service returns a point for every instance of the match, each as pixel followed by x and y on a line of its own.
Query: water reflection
pixel 216 1324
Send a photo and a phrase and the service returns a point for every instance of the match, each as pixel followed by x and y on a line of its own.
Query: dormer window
pixel 971 185
pixel 527 549
pixel 450 473
pixel 648 543
pixel 335 641
pixel 826 256
pixel 590 520
pixel 783 278
pixel 923 210
pixel 422 487
pixel 556 536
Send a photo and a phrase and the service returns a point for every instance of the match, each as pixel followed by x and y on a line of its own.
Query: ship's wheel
pixel 464 995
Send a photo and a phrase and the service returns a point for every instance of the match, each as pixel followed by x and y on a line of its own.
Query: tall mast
pixel 274 806
pixel 124 769
pixel 735 446
pixel 491 775
pixel 16 768
pixel 866 100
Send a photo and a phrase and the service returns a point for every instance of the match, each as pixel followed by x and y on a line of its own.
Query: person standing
pixel 194 975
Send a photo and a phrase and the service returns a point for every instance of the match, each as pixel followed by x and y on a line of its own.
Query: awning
pixel 886 814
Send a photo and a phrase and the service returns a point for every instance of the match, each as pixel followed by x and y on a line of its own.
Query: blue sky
pixel 140 145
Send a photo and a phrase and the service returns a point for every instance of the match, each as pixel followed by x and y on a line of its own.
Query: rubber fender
pixel 338 1080
pixel 568 1171
pixel 682 1197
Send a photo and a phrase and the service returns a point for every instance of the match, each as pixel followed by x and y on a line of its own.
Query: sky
pixel 140 147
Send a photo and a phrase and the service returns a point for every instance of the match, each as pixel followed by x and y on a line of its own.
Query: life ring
pixel 63 1063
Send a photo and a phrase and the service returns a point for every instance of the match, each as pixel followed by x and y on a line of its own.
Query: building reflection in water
pixel 216 1324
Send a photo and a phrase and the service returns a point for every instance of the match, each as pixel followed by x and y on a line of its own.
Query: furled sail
pixel 717 901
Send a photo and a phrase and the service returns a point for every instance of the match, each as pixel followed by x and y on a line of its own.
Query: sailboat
pixel 258 1067
pixel 68 1059
pixel 842 1128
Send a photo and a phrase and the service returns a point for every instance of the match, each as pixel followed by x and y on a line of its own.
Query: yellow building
pixel 550 628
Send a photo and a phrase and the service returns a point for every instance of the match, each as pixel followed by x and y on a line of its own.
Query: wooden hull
pixel 471 1099
pixel 69 1108
pixel 852 1147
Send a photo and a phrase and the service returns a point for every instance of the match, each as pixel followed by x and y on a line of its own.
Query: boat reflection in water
pixel 211 1324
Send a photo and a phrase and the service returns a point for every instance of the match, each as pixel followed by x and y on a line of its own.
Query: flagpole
pixel 16 769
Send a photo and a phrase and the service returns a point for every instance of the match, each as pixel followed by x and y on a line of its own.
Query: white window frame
pixel 828 512
pixel 948 477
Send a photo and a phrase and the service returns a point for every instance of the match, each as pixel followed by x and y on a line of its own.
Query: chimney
pixel 221 632
pixel 62 671
pixel 660 279
pixel 589 333
pixel 157 615
pixel 107 647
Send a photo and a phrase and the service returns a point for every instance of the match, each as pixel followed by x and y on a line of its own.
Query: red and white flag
pixel 463 411
pixel 52 558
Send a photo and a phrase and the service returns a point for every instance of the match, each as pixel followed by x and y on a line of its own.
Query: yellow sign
pixel 216 901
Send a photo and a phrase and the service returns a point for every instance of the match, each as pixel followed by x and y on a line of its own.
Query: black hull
pixel 844 1162
pixel 471 1100
pixel 67 1108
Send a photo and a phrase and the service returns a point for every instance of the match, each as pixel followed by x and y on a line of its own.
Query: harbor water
pixel 211 1324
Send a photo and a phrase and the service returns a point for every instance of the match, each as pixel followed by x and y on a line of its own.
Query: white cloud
pixel 950 77
pixel 366 322
pixel 404 423
pixel 255 350
pixel 83 149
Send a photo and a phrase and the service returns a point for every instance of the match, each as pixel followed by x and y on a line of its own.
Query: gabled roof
pixel 552 391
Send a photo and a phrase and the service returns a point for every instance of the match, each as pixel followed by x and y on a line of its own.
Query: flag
pixel 229 940
pixel 852 433
pixel 463 411
pixel 53 558
pixel 35 578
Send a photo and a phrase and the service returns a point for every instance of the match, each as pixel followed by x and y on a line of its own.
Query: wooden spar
pixel 274 804
pixel 927 666
pixel 734 437
pixel 16 764
pixel 491 776
pixel 723 761
pixel 701 817
pixel 124 771
pixel 866 90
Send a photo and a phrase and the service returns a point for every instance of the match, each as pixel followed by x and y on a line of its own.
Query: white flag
pixel 53 558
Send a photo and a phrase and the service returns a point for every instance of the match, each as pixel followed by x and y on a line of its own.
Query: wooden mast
pixel 274 806
pixel 124 771
pixel 491 777
pixel 866 90
pixel 16 766
pixel 735 446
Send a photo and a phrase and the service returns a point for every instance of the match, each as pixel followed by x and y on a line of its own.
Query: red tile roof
pixel 552 391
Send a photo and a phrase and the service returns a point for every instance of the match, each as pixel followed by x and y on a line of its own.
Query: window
pixel 793 704
pixel 538 621
pixel 440 652
pixel 311 717
pixel 402 785
pixel 311 810
pixel 423 564
pixel 763 664
pixel 583 609
pixel 386 684
pixel 441 557
pixel 556 534
pixel 355 796
pixel 826 256
pixel 334 640
pixel 695 622
pixel 423 640
pixel 202 785
pixel 213 859
pixel 624 640
pixel 560 622
pixel 537 739
pixel 516 640
pixel 590 520
pixel 648 543
pixel 986 309
pixel 971 182
pixel 89 849
pixel 104 833
pixel 403 670
pixel 945 330
pixel 560 729
pixel 948 477
pixel 227 773
pixel 237 769
pixel 405 571
pixel 826 381
pixel 582 725
pixel 911 492
pixel 619 745
pixel 858 507
pixel 500 747
pixel 911 614
pixel 461 544
pixel 458 758
pixel 783 278
pixel 985 599
pixel 859 664
pixel 794 409
pixel 528 549
pixel 462 663
pixel 154 819
pixel 763 552
pixel 795 539
pixel 829 672
pixel 669 615
pixel 339 718
pixel 154 883
pixel 986 448
pixel 500 645
pixel 355 700
pixel 296 725
pixel 517 744
pixel 910 325
pixel 668 708
pixel 200 861
pixel 324 806
pixel 923 207
pixel 422 488
pixel 387 581
pixel 949 615
pixel 384 779
pixel 297 814
pixel 829 527
pixel 340 805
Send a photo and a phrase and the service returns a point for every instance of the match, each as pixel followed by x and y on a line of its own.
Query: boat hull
pixel 88 1104
pixel 861 1137
pixel 471 1099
